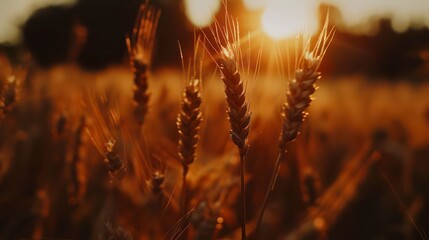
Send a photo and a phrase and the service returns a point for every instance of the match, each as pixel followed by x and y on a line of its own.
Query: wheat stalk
pixel 140 47
pixel 189 118
pixel 298 98
pixel 76 158
pixel 238 109
pixel 113 161
pixel 239 118
pixel 188 122
pixel 317 220
pixel 230 63
pixel 106 133
pixel 188 125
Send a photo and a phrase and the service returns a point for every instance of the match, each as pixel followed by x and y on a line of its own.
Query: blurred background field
pixel 359 168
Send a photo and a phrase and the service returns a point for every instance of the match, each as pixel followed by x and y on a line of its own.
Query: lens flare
pixel 286 18
pixel 201 12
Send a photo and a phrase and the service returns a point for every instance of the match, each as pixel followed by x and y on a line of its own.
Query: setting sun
pixel 201 12
pixel 286 18
pixel 255 4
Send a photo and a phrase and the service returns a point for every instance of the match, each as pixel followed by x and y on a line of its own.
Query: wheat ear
pixel 225 43
pixel 230 63
pixel 188 124
pixel 140 46
pixel 238 116
pixel 238 109
pixel 113 161
pixel 298 98
pixel 106 135
pixel 190 116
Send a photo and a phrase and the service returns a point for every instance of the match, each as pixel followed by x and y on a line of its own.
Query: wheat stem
pixel 184 189
pixel 298 99
pixel 188 125
pixel 243 195
pixel 239 118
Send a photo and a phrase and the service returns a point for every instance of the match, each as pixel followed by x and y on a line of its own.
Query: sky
pixel 358 16
pixel 362 15
pixel 13 14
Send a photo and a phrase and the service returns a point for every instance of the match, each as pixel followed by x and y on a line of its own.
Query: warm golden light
pixel 14 12
pixel 284 18
pixel 255 4
pixel 201 12
pixel 363 16
pixel 287 18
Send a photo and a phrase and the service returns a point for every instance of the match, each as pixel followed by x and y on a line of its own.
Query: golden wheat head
pixel 298 98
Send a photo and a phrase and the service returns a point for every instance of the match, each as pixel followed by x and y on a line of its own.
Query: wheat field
pixel 221 148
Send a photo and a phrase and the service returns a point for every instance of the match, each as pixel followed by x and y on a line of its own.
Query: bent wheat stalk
pixel 140 47
pixel 298 98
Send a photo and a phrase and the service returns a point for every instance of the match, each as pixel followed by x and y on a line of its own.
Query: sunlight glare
pixel 286 18
pixel 201 12
pixel 255 4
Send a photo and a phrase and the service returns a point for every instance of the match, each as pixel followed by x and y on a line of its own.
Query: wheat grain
pixel 188 122
pixel 238 109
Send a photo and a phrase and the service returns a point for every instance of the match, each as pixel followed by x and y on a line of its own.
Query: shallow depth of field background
pixel 373 98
